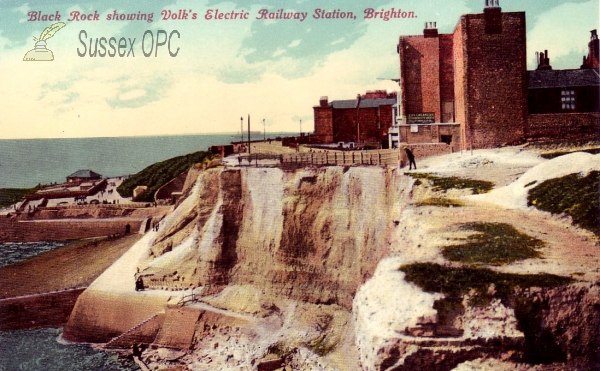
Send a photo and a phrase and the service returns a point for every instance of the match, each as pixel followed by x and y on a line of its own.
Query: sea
pixel 24 163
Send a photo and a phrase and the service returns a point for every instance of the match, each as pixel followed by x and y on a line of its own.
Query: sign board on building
pixel 420 118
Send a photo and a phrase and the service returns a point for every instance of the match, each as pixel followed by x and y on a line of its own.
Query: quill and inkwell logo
pixel 40 52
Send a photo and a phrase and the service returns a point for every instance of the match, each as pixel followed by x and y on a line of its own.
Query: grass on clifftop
pixel 442 202
pixel 574 195
pixel 455 282
pixel 446 183
pixel 496 243
pixel 160 173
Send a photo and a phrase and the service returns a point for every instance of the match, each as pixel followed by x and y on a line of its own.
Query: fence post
pixel 379 158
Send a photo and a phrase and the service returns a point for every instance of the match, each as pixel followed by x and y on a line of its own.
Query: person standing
pixel 411 158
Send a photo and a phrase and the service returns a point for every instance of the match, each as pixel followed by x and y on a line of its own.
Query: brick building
pixel 475 76
pixel 365 119
pixel 565 104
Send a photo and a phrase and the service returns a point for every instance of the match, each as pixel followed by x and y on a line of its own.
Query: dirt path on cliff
pixel 568 251
pixel 75 265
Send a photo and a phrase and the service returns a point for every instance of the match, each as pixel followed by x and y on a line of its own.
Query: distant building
pixel 364 120
pixel 81 176
pixel 565 104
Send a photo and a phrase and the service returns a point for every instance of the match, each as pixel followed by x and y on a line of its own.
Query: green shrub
pixel 444 202
pixel 496 243
pixel 446 183
pixel 574 195
pixel 455 282
pixel 160 173
pixel 10 196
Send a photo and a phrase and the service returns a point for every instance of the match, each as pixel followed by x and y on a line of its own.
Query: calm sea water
pixel 26 162
pixel 15 252
pixel 40 350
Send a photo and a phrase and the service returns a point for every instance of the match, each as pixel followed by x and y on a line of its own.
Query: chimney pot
pixel 324 101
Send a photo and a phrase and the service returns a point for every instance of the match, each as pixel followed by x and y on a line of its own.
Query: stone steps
pixel 144 332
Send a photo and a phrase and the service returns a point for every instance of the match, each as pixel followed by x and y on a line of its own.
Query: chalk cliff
pixel 303 269
pixel 312 235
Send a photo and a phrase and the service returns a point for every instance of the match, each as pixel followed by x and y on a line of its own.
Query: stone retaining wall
pixel 37 311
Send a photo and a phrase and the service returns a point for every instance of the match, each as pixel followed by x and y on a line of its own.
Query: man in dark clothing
pixel 411 158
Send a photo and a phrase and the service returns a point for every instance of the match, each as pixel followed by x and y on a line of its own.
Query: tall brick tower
pixel 491 77
pixel 475 76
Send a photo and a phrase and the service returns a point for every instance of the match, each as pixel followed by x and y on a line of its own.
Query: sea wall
pixel 62 224
pixel 37 311
pixel 57 230
pixel 99 316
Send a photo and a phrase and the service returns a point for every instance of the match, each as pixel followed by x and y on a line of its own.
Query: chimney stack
pixel 591 61
pixel 324 101
pixel 492 14
pixel 430 29
pixel 544 61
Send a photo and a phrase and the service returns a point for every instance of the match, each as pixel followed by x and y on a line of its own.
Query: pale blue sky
pixel 275 70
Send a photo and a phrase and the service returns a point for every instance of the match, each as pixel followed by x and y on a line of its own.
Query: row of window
pixel 567 99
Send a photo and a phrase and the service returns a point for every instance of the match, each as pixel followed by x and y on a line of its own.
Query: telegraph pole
pixel 248 133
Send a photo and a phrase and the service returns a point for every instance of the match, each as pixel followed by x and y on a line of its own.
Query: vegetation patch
pixel 446 183
pixel 455 282
pixel 10 196
pixel 551 155
pixel 574 195
pixel 160 173
pixel 496 243
pixel 443 202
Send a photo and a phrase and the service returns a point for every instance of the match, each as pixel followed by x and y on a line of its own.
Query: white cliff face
pixel 313 235
pixel 384 306
pixel 492 321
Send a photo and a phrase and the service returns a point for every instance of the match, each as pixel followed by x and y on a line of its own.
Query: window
pixel 567 99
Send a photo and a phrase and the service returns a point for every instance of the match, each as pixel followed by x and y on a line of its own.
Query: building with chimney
pixel 477 78
pixel 564 104
pixel 363 120
pixel 471 89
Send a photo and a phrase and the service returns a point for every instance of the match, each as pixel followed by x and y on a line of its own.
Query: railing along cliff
pixel 342 158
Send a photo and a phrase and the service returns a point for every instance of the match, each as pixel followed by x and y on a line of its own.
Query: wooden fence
pixel 343 158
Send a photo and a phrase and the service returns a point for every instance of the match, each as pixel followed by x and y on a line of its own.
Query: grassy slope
pixel 160 173
pixel 573 195
pixel 10 196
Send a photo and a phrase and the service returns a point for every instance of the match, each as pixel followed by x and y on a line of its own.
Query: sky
pixel 218 71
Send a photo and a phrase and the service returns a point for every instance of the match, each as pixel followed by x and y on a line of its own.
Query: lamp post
pixel 264 131
pixel 241 129
pixel 300 127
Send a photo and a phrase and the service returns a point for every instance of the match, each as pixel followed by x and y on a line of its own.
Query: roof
pixel 85 174
pixel 544 79
pixel 364 103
